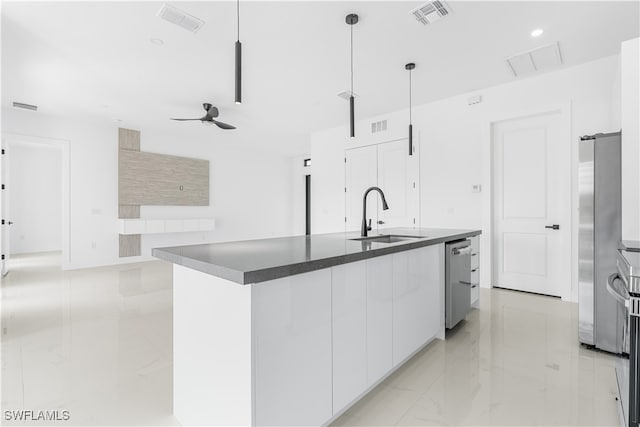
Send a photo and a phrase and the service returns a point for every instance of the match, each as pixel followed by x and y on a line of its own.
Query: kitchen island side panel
pixel 212 350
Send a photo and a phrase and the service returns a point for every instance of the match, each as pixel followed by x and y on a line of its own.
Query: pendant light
pixel 351 20
pixel 238 58
pixel 409 67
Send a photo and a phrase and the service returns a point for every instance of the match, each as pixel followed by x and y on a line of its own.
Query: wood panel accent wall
pixel 155 179
pixel 130 244
pixel 129 139
pixel 160 179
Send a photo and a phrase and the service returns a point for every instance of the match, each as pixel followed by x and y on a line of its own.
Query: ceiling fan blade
pixel 222 125
pixel 184 120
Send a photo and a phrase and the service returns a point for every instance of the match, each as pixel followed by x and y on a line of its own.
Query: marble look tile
pixel 98 342
pixel 515 362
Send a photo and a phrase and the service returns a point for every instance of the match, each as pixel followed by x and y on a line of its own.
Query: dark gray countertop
pixel 254 261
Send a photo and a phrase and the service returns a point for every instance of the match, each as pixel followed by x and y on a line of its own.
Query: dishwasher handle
pixel 619 293
pixel 461 251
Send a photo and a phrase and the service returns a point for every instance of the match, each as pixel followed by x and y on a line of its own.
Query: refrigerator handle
pixel 621 297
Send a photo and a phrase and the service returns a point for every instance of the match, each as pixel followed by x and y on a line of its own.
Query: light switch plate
pixel 477 188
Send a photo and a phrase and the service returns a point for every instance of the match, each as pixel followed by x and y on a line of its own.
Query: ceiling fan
pixel 209 117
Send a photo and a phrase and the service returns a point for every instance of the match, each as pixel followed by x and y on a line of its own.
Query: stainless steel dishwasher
pixel 457 281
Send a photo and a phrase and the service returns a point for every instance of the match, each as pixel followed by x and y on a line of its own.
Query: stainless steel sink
pixel 388 238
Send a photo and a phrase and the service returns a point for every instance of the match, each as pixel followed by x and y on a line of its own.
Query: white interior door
pixel 531 193
pixel 360 173
pixel 4 211
pixel 398 179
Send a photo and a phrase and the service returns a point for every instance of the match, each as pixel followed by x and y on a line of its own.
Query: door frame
pixel 12 139
pixel 568 276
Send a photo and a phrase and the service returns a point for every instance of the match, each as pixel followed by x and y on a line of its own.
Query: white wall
pixel 630 123
pixel 454 148
pixel 250 190
pixel 35 197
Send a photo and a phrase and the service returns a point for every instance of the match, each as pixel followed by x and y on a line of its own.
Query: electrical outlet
pixel 477 188
pixel 93 245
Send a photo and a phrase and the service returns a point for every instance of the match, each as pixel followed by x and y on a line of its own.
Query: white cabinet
pixel 398 178
pixel 361 172
pixel 297 351
pixel 321 339
pixel 379 317
pixel 362 326
pixel 349 313
pixel 161 226
pixel 383 309
pixel 389 166
pixel 475 270
pixel 292 350
pixel 418 286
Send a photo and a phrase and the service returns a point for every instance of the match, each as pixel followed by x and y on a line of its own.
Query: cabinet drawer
pixel 475 276
pixel 475 260
pixel 475 293
pixel 475 244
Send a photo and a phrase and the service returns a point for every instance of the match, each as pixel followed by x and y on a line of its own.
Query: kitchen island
pixel 294 330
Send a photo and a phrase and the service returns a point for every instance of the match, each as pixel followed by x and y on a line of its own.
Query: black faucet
pixel 365 228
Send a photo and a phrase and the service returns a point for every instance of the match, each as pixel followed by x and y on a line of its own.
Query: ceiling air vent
pixel 432 11
pixel 25 106
pixel 379 126
pixel 182 19
pixel 540 59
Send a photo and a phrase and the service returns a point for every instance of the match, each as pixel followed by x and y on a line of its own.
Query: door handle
pixel 380 221
pixel 553 227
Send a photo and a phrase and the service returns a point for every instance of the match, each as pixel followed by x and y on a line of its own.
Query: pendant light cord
pixel 410 113
pixel 351 60
pixel 238 16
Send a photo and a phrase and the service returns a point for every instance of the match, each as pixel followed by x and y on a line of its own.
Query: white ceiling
pixel 95 59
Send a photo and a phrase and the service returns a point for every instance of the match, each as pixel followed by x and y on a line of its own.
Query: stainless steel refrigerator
pixel 601 318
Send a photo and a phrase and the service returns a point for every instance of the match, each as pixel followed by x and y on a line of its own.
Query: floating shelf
pixel 161 226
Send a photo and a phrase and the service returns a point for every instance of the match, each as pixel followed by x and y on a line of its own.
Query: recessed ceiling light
pixel 537 32
pixel 157 42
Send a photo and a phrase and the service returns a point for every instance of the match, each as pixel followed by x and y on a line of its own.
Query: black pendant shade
pixel 238 59
pixel 351 20
pixel 238 72
pixel 352 117
pixel 410 66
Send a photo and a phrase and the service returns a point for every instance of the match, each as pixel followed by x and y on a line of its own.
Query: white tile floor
pixel 98 343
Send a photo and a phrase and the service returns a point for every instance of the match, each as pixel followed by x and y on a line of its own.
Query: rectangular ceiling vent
pixel 380 126
pixel 180 18
pixel 432 11
pixel 25 106
pixel 347 94
pixel 540 59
